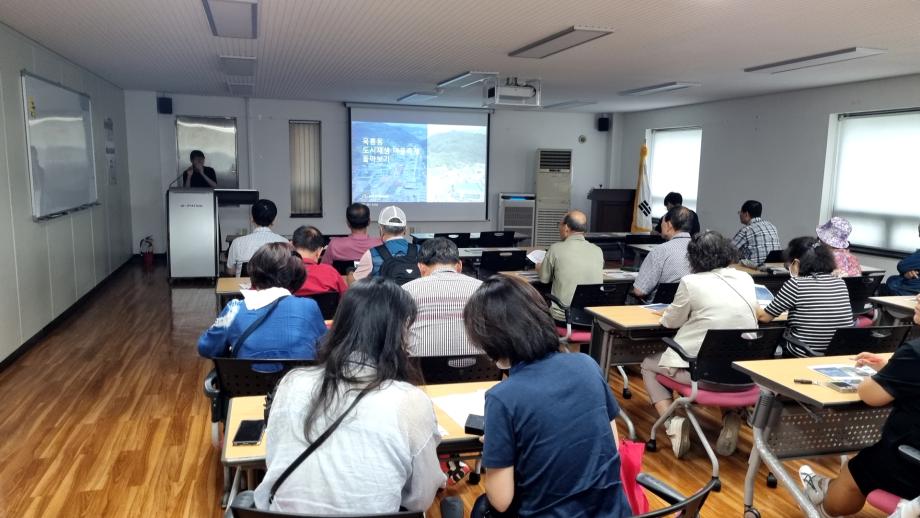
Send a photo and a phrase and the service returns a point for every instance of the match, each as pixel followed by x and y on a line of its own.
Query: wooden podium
pixel 611 210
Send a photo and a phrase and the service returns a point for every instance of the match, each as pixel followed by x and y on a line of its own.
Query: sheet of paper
pixel 620 274
pixel 459 406
pixel 843 371
pixel 656 307
pixel 536 256
pixel 442 431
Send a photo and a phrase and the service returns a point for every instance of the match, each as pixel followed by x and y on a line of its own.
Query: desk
pixel 866 269
pixel 900 307
pixel 228 288
pixel 253 407
pixel 476 252
pixel 611 275
pixel 794 421
pixel 419 237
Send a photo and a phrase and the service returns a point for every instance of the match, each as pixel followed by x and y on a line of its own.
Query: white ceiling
pixel 378 50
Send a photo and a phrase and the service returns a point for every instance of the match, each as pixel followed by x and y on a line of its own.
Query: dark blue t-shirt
pixel 551 420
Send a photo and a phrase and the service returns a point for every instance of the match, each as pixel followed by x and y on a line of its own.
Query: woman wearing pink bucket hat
pixel 834 234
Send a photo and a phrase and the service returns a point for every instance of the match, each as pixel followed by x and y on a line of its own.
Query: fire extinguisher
pixel 146 248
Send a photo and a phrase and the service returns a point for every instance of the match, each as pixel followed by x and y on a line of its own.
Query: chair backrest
pixel 664 293
pixel 457 369
pixel 588 295
pixel 244 270
pixel 328 302
pixel 689 507
pixel 721 347
pixel 249 377
pixel 503 260
pixel 854 340
pixel 775 256
pixel 496 238
pixel 461 239
pixel 343 267
pixel 643 239
pixel 242 512
pixel 860 289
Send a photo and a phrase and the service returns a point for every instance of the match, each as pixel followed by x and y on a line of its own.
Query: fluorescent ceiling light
pixel 232 18
pixel 466 79
pixel 569 104
pixel 418 97
pixel 657 89
pixel 824 58
pixel 241 89
pixel 562 40
pixel 238 65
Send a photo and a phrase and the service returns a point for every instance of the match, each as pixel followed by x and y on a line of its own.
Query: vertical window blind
pixel 306 170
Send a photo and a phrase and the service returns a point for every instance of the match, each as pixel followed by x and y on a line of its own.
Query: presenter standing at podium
pixel 199 175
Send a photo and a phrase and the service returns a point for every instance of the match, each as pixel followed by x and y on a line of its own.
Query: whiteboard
pixel 59 136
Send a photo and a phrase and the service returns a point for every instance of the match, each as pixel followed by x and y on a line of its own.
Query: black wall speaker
pixel 603 124
pixel 164 105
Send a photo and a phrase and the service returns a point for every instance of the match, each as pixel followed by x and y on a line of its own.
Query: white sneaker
pixel 815 488
pixel 728 437
pixel 678 430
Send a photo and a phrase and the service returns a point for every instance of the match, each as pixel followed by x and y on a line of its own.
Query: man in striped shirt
pixel 757 238
pixel 441 294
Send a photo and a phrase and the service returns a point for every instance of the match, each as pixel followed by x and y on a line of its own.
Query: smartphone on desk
pixel 249 432
pixel 842 386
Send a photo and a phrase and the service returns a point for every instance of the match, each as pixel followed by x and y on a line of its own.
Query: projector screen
pixel 432 164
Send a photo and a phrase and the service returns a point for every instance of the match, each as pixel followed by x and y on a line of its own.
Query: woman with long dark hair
pixel 380 453
pixel 550 440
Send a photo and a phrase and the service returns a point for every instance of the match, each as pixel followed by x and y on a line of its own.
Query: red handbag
pixel 631 453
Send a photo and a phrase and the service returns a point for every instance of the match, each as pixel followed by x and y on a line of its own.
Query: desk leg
pixel 234 489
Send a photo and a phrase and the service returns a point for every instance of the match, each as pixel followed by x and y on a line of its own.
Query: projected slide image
pixel 422 163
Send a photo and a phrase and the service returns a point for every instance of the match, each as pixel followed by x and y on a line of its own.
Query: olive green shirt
pixel 570 263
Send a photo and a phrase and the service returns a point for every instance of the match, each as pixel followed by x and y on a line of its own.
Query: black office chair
pixel 773 282
pixel 775 256
pixel 244 270
pixel 344 267
pixel 461 239
pixel 854 340
pixel 493 261
pixel 643 239
pixel 664 293
pixel 437 370
pixel 328 302
pixel 496 238
pixel 860 289
pixel 680 506
pixel 714 382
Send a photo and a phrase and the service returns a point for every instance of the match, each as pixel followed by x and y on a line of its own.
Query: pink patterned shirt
pixel 847 263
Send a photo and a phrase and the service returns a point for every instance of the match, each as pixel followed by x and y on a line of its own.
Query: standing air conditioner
pixel 516 213
pixel 554 193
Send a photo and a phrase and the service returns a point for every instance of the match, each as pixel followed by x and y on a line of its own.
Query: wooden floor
pixel 105 417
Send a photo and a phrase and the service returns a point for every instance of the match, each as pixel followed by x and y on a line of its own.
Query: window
pixel 306 174
pixel 674 164
pixel 876 177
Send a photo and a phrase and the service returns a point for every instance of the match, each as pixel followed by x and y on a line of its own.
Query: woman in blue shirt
pixel 550 440
pixel 293 325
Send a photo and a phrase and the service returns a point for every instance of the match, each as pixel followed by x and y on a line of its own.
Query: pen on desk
pixel 801 381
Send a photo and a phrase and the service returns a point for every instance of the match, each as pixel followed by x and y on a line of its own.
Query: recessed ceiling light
pixel 240 88
pixel 568 104
pixel 814 60
pixel 238 65
pixel 466 79
pixel 232 18
pixel 418 97
pixel 562 40
pixel 657 89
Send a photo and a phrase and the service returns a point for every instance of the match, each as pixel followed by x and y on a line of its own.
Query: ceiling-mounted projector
pixel 511 92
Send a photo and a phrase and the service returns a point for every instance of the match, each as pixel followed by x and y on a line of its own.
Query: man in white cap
pixel 392 221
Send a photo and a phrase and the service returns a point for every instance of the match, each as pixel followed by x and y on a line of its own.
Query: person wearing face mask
pixel 817 300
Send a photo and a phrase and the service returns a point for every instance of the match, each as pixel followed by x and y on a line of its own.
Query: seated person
pixel 666 262
pixel 550 438
pixel 879 466
pixel 835 234
pixel 674 199
pixel 392 221
pixel 321 278
pixel 571 262
pixel 818 301
pixel 352 247
pixel 383 455
pixel 908 282
pixel 292 326
pixel 757 238
pixel 241 249
pixel 440 295
pixel 714 296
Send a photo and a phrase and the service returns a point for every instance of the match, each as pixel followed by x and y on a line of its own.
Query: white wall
pixel 770 148
pixel 48 265
pixel 263 133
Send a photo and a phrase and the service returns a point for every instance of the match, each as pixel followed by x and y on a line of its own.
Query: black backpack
pixel 399 268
